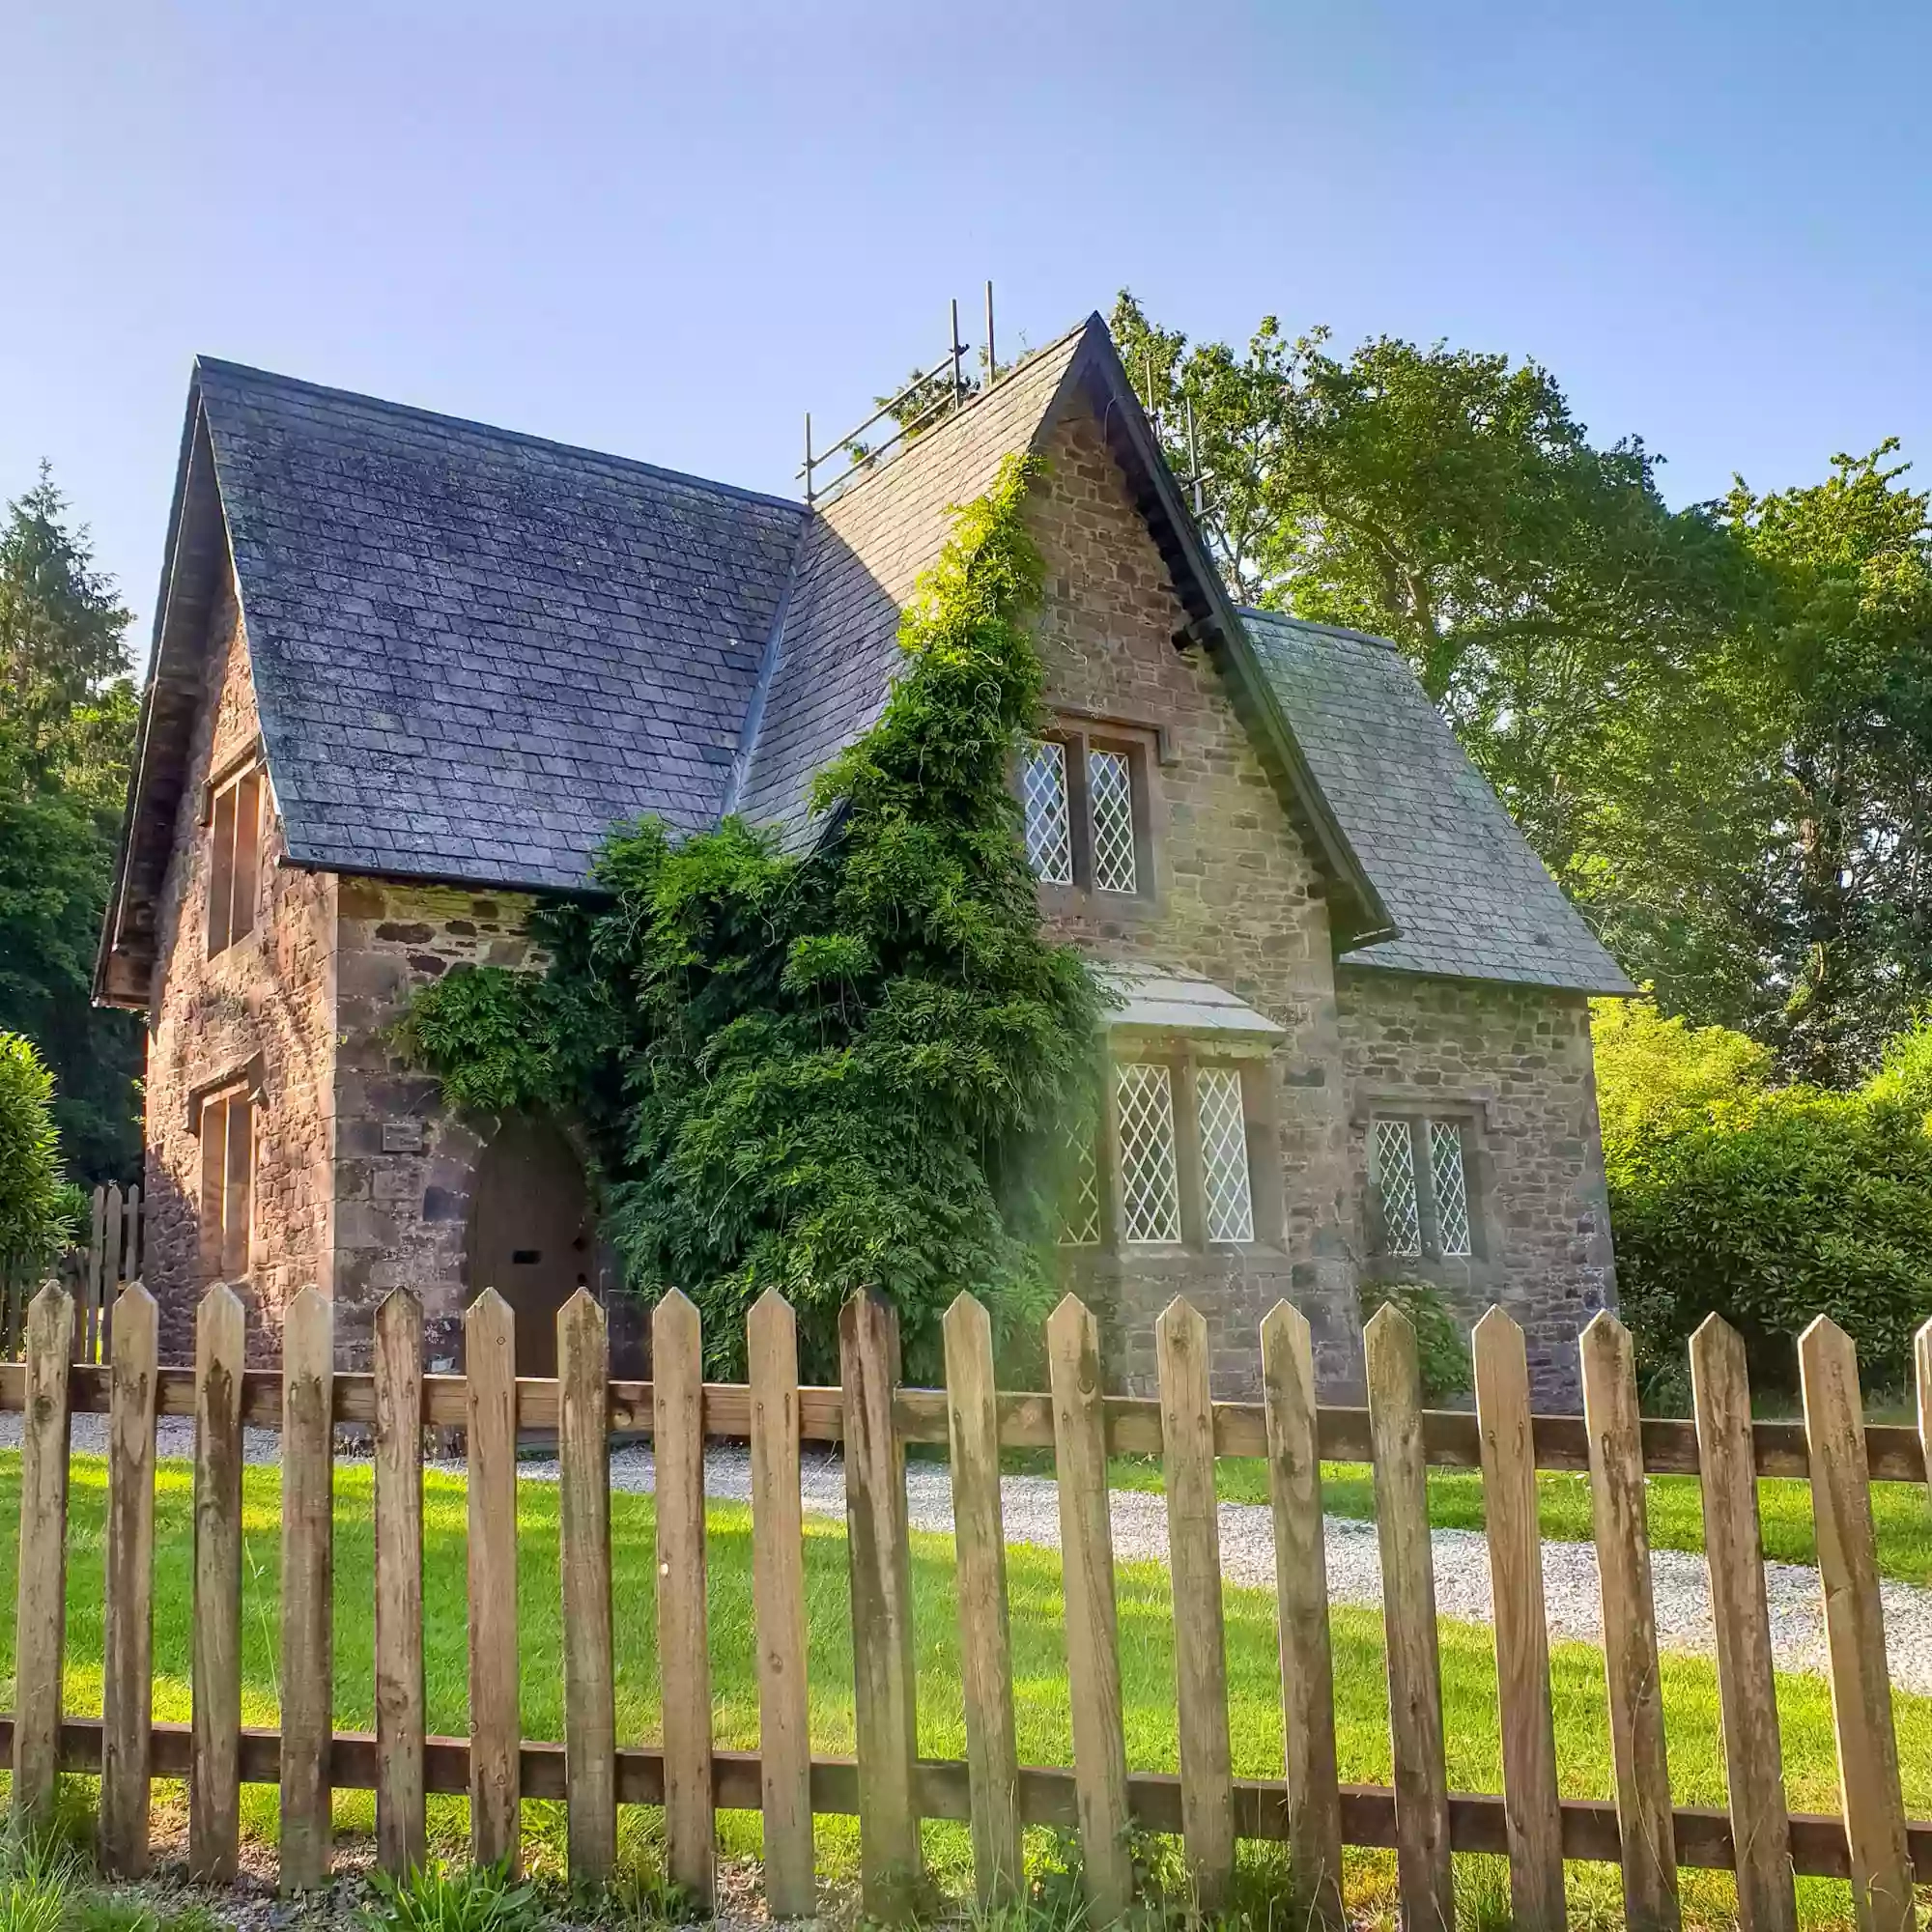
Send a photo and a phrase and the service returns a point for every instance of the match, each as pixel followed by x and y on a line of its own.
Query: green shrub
pixel 855 1069
pixel 38 1879
pixel 470 1898
pixel 114 1911
pixel 33 1222
pixel 1439 1343
pixel 1766 1206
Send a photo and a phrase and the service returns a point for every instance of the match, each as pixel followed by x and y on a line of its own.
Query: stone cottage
pixel 409 668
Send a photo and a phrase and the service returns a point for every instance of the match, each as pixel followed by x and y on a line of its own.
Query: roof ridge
pixel 497 431
pixel 852 484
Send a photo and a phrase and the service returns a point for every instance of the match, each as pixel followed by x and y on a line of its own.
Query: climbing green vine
pixel 854 1068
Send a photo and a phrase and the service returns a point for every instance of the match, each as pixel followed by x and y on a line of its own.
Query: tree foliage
pixel 33 1224
pixel 1713 724
pixel 67 726
pixel 1845 913
pixel 1769 1204
pixel 1579 635
pixel 849 1069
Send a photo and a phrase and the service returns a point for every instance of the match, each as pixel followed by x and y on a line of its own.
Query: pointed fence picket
pixel 777 1590
pixel 308 1542
pixel 888 1784
pixel 985 1644
pixel 496 1723
pixel 1531 1809
pixel 128 1699
pixel 1740 1617
pixel 1648 1848
pixel 583 1550
pixel 215 1762
pixel 684 1656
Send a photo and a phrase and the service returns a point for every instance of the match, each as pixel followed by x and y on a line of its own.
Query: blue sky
pixel 669 230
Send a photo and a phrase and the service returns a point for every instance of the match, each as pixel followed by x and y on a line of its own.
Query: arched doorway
pixel 531 1236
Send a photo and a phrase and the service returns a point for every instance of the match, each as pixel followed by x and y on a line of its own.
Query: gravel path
pixel 1031 1510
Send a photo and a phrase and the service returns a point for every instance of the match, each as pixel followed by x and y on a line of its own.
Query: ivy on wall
pixel 855 1068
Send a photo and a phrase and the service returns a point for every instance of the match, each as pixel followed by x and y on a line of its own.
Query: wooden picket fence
pixel 94 1274
pixel 889 1786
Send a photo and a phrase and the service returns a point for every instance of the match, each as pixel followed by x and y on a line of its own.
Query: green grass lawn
pixel 1901 1511
pixel 1147 1662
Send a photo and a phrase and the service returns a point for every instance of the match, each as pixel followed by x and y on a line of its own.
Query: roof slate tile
pixel 1472 900
pixel 392 564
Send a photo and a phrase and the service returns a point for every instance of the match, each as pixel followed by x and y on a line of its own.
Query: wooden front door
pixel 530 1233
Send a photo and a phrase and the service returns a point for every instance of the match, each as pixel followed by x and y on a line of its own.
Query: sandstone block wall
pixel 404 1164
pixel 1237 899
pixel 1515 1061
pixel 266 1001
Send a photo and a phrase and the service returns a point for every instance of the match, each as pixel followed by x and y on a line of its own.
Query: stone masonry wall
pixel 1237 899
pixel 1516 1063
pixel 405 1165
pixel 269 998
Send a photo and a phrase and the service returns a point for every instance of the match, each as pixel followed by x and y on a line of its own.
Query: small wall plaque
pixel 402 1136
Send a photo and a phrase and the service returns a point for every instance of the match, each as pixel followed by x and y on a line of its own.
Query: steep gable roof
pixel 1470 898
pixel 472 650
pixel 835 652
pixel 475 650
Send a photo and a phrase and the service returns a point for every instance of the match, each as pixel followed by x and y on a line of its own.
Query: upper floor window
pixel 1085 808
pixel 227 1130
pixel 234 860
pixel 1420 1177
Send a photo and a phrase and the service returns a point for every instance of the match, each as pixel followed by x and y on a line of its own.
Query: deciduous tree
pixel 67 726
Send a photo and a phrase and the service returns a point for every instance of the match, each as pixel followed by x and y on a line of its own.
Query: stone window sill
pixel 1174 1261
pixel 1095 908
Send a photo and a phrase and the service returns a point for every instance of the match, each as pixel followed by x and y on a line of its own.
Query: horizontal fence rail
pixel 1046 1796
pixel 887 1784
pixel 1451 1438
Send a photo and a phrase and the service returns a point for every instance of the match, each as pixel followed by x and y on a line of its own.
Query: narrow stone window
pixel 1150 1175
pixel 1396 1198
pixel 1080 1225
pixel 1049 821
pixel 1450 1185
pixel 1227 1198
pixel 1110 794
pixel 234 860
pixel 227 1129
pixel 1419 1171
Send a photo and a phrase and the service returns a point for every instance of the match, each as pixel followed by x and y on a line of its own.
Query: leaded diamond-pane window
pixel 1452 1192
pixel 1150 1185
pixel 1049 827
pixel 1395 1188
pixel 1110 804
pixel 1224 1156
pixel 1080 1227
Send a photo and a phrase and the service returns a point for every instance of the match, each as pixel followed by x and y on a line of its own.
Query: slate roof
pixel 1156 999
pixel 473 650
pixel 837 647
pixel 1470 897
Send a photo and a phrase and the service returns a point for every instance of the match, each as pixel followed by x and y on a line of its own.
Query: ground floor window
pixel 227 1132
pixel 1419 1175
pixel 1171 1165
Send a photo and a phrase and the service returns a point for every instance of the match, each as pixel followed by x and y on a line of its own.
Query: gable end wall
pixel 269 998
pixel 1238 901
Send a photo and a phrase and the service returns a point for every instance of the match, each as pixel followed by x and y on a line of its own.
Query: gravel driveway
pixel 1247 1551
pixel 1570 1588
